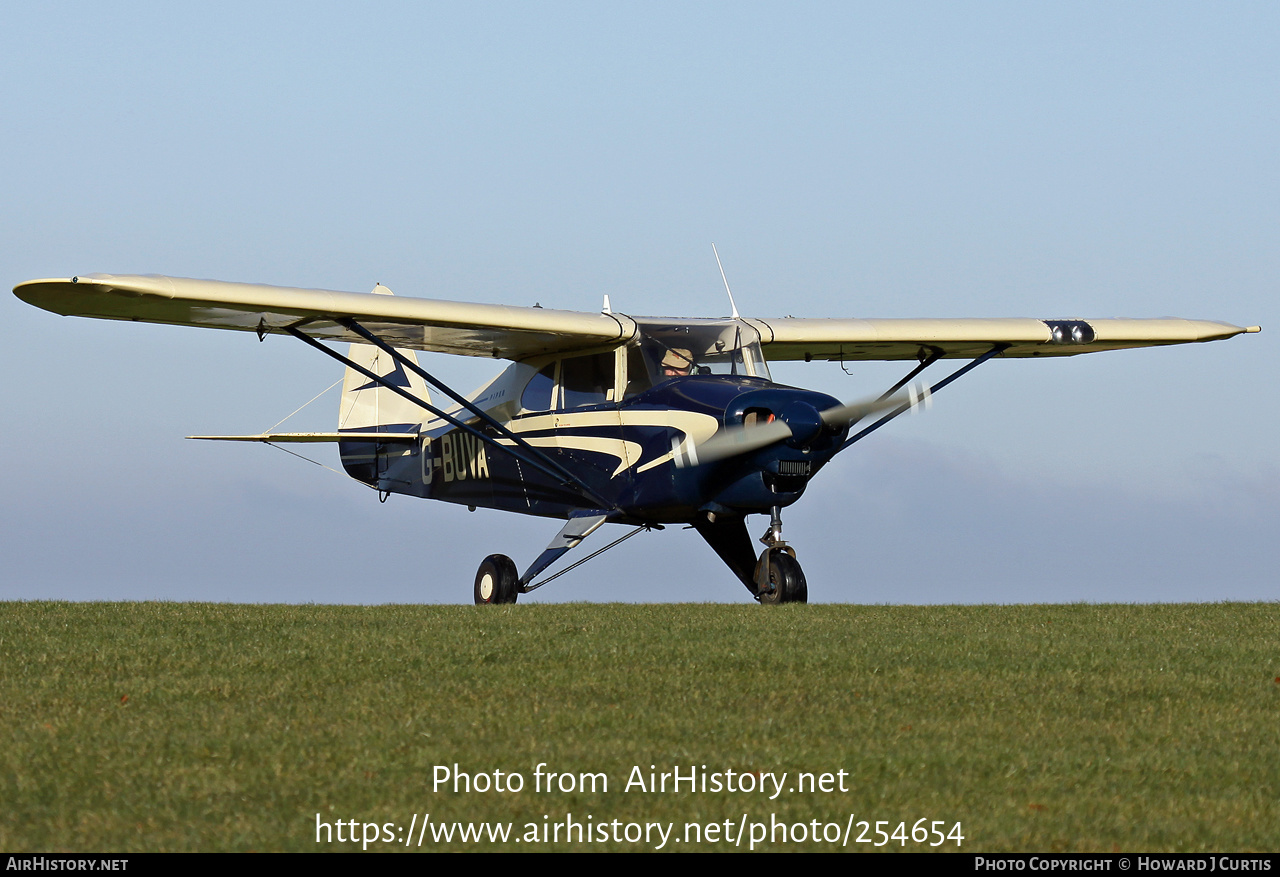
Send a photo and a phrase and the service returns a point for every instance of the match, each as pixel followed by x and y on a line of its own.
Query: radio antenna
pixel 732 303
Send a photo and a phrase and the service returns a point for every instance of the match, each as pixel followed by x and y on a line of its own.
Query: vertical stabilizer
pixel 366 404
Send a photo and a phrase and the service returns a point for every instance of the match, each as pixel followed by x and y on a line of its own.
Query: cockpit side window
pixel 587 380
pixel 540 389
pixel 638 378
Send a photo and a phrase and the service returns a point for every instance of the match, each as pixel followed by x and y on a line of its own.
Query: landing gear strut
pixel 778 577
pixel 773 577
pixel 497 580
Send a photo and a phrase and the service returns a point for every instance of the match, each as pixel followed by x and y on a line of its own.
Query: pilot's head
pixel 677 362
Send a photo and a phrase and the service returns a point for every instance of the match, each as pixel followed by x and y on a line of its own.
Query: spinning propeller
pixel 797 424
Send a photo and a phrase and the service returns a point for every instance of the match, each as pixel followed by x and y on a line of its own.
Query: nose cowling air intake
pixel 804 421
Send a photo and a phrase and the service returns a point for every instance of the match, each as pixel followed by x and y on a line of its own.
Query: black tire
pixel 497 580
pixel 786 580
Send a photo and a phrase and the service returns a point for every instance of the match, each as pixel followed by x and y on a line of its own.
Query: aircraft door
pixel 588 427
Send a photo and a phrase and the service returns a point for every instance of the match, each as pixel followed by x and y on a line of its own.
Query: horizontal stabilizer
pixel 283 437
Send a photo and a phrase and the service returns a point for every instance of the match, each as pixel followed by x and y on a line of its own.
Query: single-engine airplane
pixel 600 417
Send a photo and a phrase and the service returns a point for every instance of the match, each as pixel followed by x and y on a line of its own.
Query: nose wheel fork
pixel 778 577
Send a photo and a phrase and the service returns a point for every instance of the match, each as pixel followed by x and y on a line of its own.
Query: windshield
pixel 667 351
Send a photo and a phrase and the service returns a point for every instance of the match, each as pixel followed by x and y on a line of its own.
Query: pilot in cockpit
pixel 677 362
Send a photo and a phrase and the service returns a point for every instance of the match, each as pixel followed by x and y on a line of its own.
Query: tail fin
pixel 367 404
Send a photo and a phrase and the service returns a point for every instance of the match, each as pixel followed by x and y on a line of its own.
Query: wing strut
pixel 994 351
pixel 925 361
pixel 565 478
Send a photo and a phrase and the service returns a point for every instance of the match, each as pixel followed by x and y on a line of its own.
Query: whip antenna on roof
pixel 732 303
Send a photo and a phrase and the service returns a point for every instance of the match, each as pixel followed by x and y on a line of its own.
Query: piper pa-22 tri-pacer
pixel 601 417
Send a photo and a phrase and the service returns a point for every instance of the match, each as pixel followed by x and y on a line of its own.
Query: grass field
pixel 162 726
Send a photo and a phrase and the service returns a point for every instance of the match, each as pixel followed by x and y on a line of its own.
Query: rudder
pixel 366 404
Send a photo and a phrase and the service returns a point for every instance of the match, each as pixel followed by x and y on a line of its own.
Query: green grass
pixel 162 726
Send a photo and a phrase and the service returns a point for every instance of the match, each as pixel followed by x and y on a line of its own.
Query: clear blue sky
pixel 936 159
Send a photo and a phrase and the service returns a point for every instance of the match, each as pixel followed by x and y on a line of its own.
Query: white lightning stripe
pixel 557 419
pixel 688 421
pixel 625 451
pixel 696 427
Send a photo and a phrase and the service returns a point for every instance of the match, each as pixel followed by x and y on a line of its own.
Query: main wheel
pixel 497 580
pixel 786 580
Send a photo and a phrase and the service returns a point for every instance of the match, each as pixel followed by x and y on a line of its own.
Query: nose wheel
pixel 786 582
pixel 779 578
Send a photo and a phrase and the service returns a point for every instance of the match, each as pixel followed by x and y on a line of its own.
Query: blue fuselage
pixel 640 454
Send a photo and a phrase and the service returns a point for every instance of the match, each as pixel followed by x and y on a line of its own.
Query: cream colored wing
pixel 419 324
pixel 806 339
